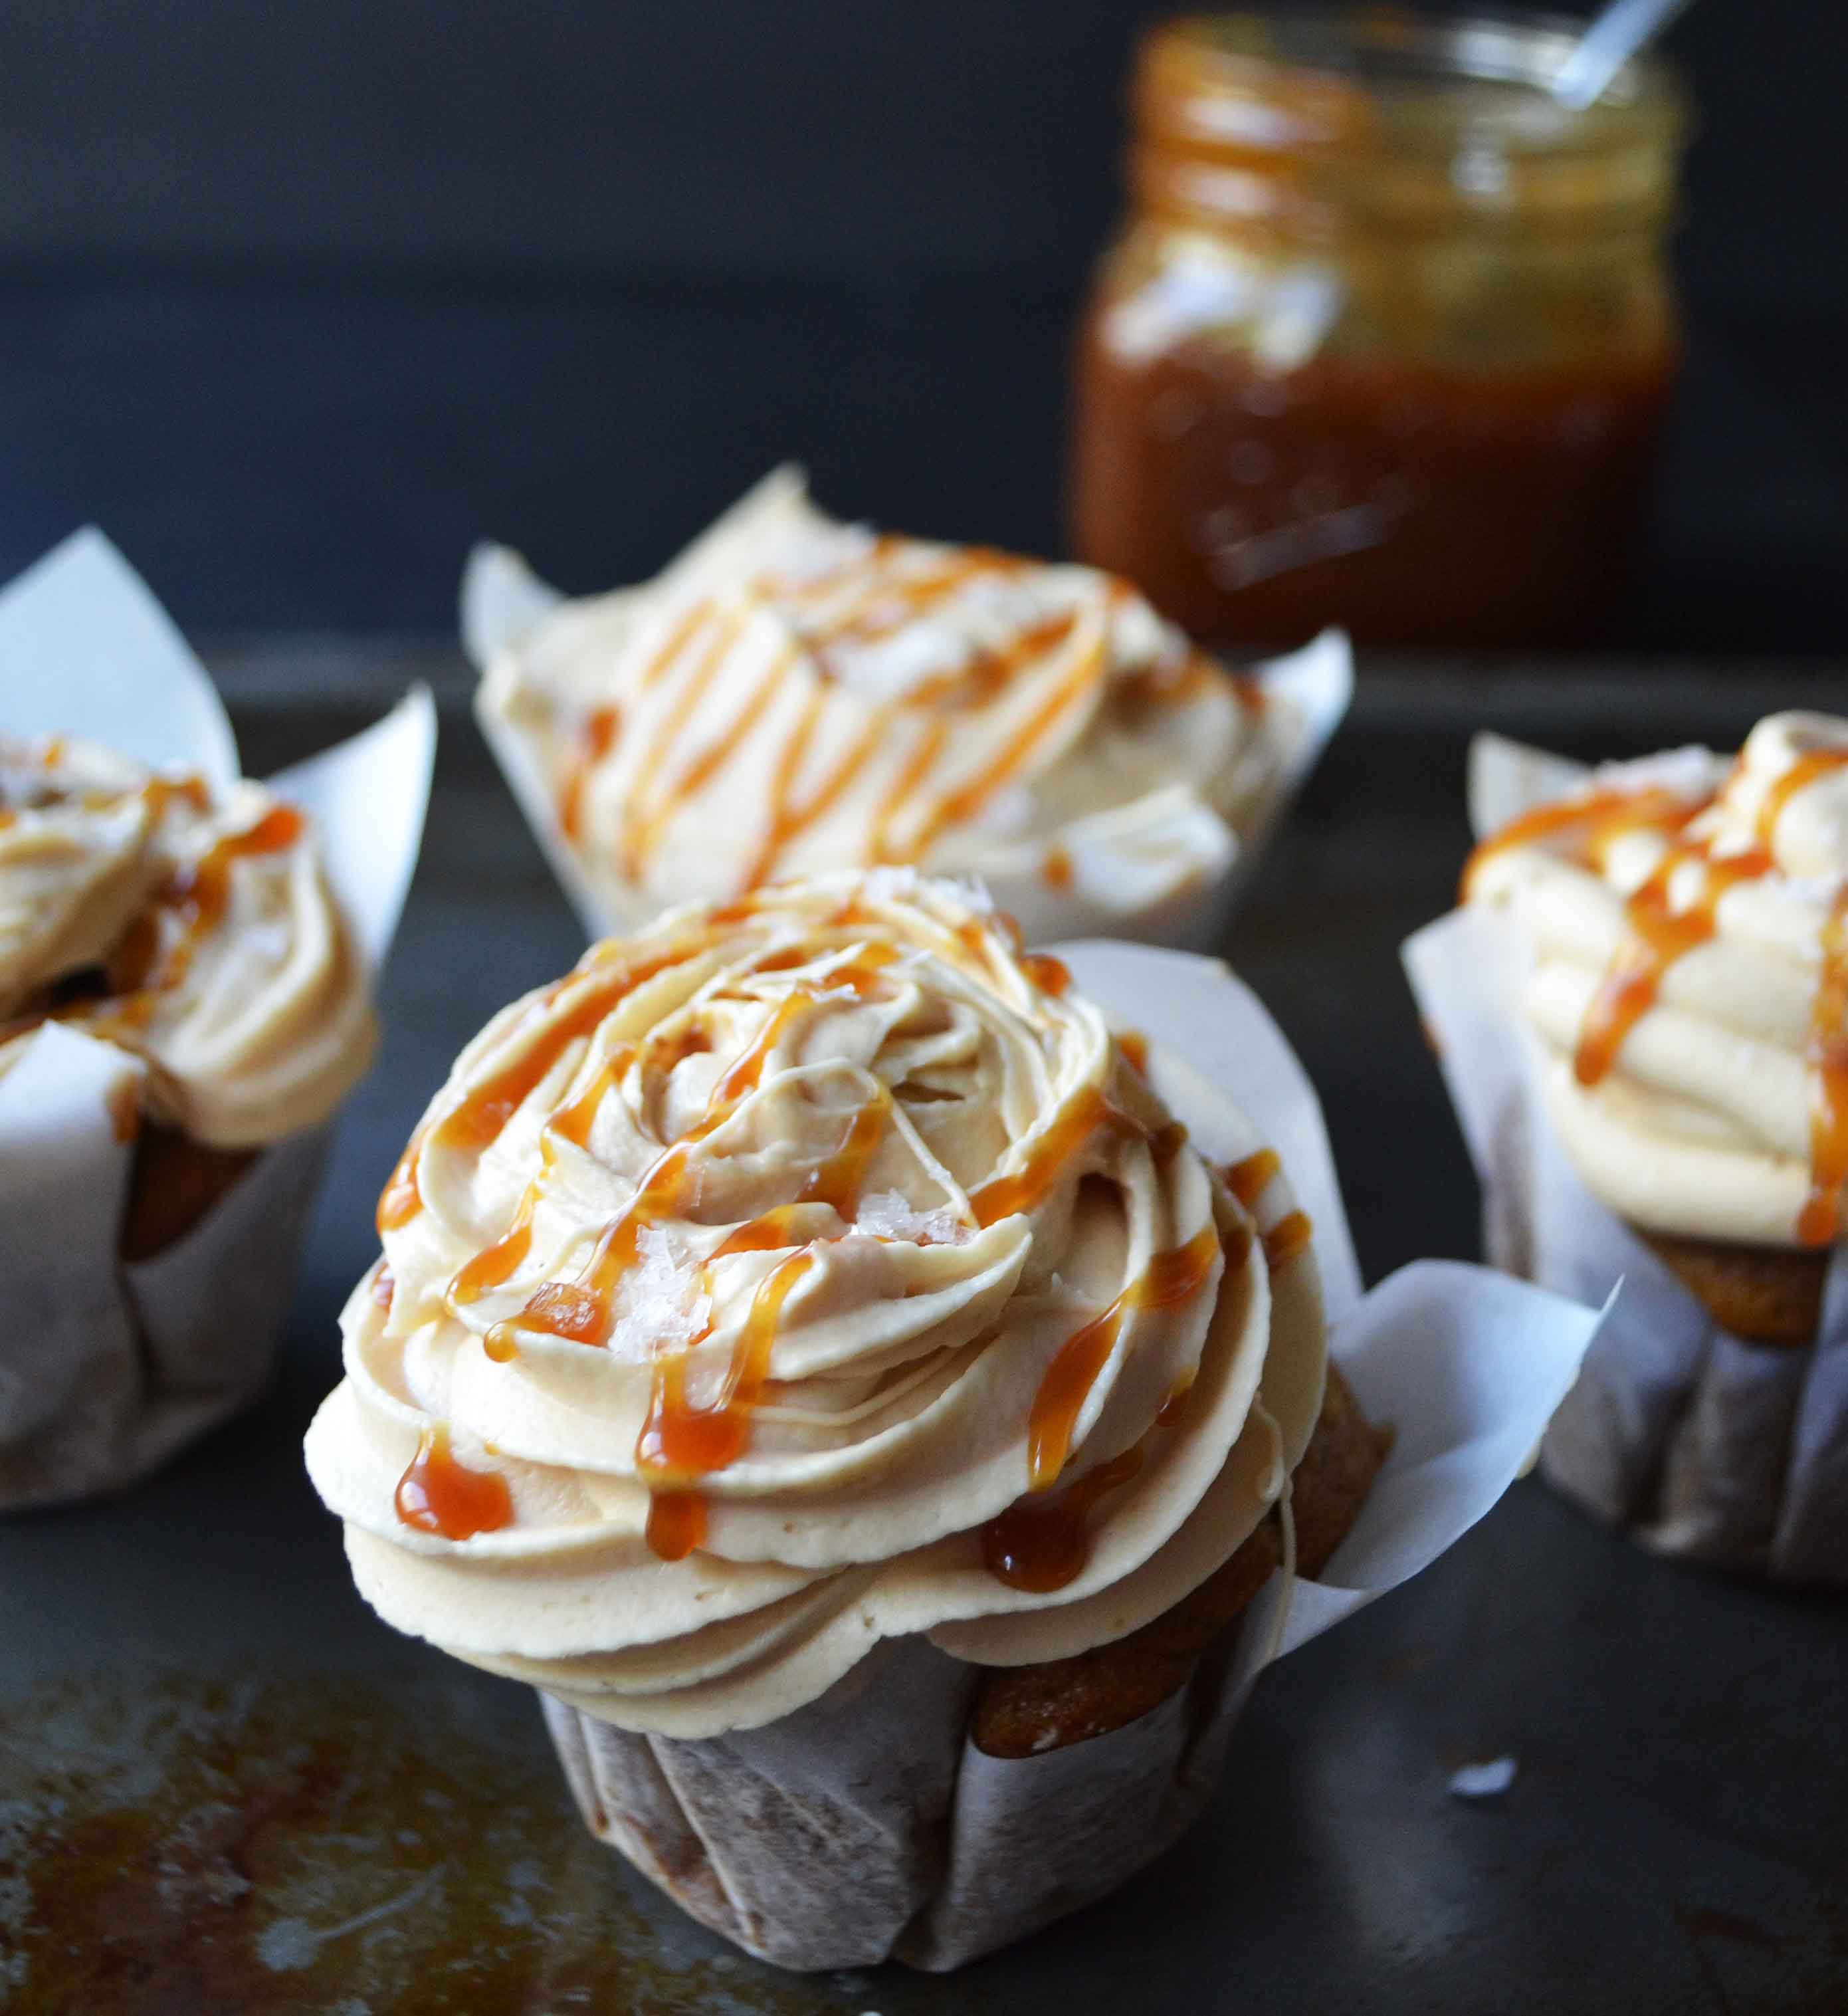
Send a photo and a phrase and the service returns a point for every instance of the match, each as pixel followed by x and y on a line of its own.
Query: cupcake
pixel 1672 936
pixel 793 694
pixel 808 1347
pixel 184 1001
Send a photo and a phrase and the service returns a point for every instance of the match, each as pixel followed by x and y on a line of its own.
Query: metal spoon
pixel 1624 27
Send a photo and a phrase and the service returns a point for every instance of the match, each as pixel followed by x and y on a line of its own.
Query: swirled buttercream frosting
pixel 195 929
pixel 795 694
pixel 1687 919
pixel 799 1272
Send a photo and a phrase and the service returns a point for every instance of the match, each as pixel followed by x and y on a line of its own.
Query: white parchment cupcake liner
pixel 107 1368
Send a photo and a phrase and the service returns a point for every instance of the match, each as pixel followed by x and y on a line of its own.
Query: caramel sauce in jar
pixel 1388 339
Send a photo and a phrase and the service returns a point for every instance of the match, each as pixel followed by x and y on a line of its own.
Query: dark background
pixel 298 301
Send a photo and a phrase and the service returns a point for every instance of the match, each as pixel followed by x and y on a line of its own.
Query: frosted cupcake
pixel 1674 934
pixel 185 998
pixel 808 1346
pixel 794 694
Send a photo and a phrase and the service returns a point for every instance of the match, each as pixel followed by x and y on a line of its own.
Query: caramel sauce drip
pixel 438 1495
pixel 680 1442
pixel 1002 1196
pixel 1249 1179
pixel 1657 937
pixel 666 732
pixel 678 637
pixel 1052 976
pixel 1802 773
pixel 190 789
pixel 401 1199
pixel 1055 870
pixel 1040 1548
pixel 199 895
pixel 788 820
pixel 1288 1237
pixel 494 1265
pixel 646 831
pixel 1596 819
pixel 1820 1222
pixel 476 1118
pixel 1166 1142
pixel 990 672
pixel 595 739
pixel 969 797
pixel 676 1524
pixel 918 765
pixel 1133 1047
pixel 1171 1278
pixel 1159 686
pixel 580 1310
pixel 887 607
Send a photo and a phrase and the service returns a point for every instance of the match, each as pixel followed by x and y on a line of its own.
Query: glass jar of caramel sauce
pixel 1388 338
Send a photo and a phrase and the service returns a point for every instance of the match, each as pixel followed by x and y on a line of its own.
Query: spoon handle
pixel 1610 43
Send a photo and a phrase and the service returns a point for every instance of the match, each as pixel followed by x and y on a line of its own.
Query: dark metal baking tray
pixel 225 1787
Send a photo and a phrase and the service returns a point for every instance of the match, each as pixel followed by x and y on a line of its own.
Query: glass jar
pixel 1388 338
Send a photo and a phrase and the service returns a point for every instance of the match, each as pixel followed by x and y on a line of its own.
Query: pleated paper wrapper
pixel 1309 689
pixel 106 1369
pixel 867 1825
pixel 1700 1444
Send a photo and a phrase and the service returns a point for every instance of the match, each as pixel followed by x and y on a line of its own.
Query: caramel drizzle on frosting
pixel 680 1442
pixel 199 896
pixel 476 1118
pixel 595 739
pixel 854 606
pixel 140 971
pixel 1656 936
pixel 1172 1277
pixel 438 1495
pixel 1042 1547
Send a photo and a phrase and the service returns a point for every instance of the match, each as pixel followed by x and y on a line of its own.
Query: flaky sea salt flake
pixel 889 1214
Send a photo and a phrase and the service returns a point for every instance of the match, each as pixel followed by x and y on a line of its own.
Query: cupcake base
pixel 930 1811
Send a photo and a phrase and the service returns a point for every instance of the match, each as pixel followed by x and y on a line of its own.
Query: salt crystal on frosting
pixel 889 1214
pixel 662 1303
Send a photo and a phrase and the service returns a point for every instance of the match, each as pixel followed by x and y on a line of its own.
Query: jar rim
pixel 1350 78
